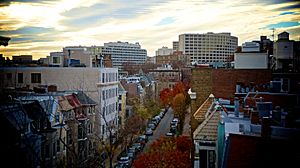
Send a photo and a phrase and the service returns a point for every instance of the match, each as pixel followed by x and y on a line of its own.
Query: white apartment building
pixel 250 47
pixel 164 51
pixel 109 102
pixel 251 57
pixel 208 48
pixel 100 84
pixel 76 54
pixel 122 52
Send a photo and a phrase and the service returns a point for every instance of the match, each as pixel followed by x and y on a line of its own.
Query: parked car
pixel 132 152
pixel 161 114
pixel 170 134
pixel 137 146
pixel 149 131
pixel 142 139
pixel 173 124
pixel 121 165
pixel 173 130
pixel 175 120
pixel 125 160
pixel 154 121
pixel 152 126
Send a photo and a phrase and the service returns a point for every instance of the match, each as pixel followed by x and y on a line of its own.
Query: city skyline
pixel 40 27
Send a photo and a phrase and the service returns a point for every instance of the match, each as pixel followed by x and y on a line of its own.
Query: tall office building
pixel 211 48
pixel 164 51
pixel 175 46
pixel 122 52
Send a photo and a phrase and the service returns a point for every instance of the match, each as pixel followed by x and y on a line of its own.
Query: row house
pixel 53 130
pixel 100 84
pixel 165 77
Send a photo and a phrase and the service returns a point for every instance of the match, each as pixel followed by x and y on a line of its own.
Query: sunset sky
pixel 38 27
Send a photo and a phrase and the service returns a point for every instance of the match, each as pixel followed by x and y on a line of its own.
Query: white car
pixel 170 134
pixel 175 120
pixel 149 131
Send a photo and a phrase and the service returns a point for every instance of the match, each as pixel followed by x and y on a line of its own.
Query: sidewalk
pixel 186 131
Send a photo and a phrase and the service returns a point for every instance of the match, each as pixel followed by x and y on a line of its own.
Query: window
pixel 90 128
pixel 56 60
pixel 103 94
pixel 81 134
pixel 20 77
pixel 35 78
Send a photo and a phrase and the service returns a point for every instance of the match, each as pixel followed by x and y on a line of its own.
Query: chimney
pixel 254 117
pixel 236 106
pixel 266 127
pixel 52 88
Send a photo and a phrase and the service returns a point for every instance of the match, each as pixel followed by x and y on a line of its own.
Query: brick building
pixel 222 84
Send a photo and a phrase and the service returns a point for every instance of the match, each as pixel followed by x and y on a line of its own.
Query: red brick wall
pixel 224 80
pixel 243 151
pixel 132 89
pixel 221 82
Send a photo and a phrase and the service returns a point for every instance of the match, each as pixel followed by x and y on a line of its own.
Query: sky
pixel 38 27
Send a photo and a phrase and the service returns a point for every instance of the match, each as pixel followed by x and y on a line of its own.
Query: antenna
pixel 273 29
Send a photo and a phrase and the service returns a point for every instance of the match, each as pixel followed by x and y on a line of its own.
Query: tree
pixel 179 107
pixel 178 88
pixel 165 97
pixel 133 126
pixel 152 106
pixel 165 153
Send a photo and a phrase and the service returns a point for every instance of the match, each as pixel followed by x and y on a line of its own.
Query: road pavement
pixel 162 128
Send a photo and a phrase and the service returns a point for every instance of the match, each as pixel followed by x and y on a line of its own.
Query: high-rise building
pixel 163 51
pixel 175 46
pixel 122 52
pixel 211 48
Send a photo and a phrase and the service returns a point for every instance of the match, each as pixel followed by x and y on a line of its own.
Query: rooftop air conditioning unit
pixel 275 86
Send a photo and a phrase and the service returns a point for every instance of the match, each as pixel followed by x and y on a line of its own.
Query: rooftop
pixel 208 129
pixel 200 113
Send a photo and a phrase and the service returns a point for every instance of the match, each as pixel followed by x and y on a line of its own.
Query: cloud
pixel 8 2
pixel 151 23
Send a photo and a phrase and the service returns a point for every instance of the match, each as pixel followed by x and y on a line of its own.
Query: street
pixel 162 128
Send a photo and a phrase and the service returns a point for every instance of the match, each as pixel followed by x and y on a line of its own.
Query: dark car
pixel 143 139
pixel 137 146
pixel 173 130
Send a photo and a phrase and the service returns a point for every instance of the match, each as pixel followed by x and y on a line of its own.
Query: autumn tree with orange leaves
pixel 165 97
pixel 167 153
